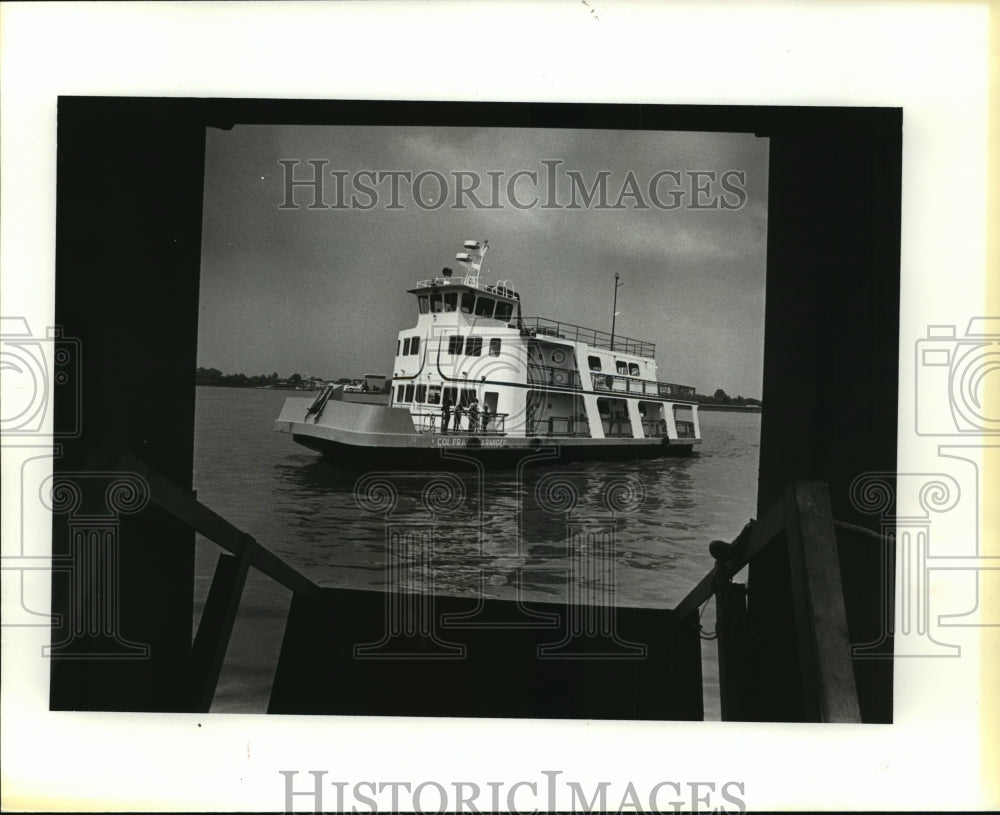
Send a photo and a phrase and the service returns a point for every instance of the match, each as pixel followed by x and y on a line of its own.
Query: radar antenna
pixel 472 258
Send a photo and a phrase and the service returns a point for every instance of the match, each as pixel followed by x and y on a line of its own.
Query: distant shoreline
pixel 254 387
pixel 731 408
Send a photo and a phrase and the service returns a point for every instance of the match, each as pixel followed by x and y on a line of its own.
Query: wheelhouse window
pixel 422 302
pixel 468 394
pixel 406 347
pixel 594 363
pixel 474 346
pixel 415 345
pixel 399 393
pixel 484 306
pixel 633 369
pixel 434 395
pixel 495 347
pixel 421 395
pixel 468 300
pixel 621 367
pixel 455 345
pixel 436 302
pixel 503 312
pixel 408 396
pixel 397 348
pixel 451 301
pixel 451 394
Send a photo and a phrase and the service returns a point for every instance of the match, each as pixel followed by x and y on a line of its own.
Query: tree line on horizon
pixel 216 378
pixel 213 376
pixel 720 397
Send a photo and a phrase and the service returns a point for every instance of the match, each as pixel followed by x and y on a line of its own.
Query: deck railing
pixel 543 326
pixel 241 552
pixel 645 387
pixel 685 430
pixel 501 287
pixel 558 426
pixel 431 423
pixel 811 592
pixel 621 428
pixel 654 427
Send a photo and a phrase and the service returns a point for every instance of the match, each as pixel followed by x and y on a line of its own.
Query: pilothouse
pixel 475 373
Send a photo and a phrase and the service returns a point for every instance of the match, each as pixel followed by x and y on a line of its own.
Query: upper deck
pixel 594 338
pixel 500 289
pixel 431 296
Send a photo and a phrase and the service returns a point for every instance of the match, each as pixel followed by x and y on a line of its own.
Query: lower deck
pixel 526 412
pixel 344 429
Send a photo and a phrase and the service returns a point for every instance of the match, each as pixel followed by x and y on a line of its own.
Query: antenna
pixel 473 258
pixel 614 311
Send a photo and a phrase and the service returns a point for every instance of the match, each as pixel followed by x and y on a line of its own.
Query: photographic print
pixel 531 458
pixel 582 409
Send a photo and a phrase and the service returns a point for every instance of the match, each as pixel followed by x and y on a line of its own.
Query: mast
pixel 473 257
pixel 614 312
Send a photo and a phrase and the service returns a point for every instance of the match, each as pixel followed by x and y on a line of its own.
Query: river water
pixel 499 533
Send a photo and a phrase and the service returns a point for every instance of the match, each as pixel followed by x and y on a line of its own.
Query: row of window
pixel 431 394
pixel 411 345
pixel 472 346
pixel 469 304
pixel 629 369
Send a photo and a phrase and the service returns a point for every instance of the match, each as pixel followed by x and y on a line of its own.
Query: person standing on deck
pixel 457 424
pixel 474 415
pixel 486 417
pixel 446 414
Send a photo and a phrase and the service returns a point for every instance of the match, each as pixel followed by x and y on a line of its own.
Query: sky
pixel 322 290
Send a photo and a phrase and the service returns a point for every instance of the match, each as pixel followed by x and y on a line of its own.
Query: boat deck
pixel 596 339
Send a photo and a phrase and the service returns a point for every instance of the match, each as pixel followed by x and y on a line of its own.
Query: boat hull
pixel 365 436
pixel 457 447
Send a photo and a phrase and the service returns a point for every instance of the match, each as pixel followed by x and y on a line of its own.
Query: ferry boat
pixel 475 376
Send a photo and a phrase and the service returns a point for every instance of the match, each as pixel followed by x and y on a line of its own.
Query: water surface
pixel 646 524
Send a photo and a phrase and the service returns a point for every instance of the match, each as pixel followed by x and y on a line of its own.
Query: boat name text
pixel 457 441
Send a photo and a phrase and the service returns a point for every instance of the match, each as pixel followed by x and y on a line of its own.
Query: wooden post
pixel 216 627
pixel 685 683
pixel 829 693
pixel 731 630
